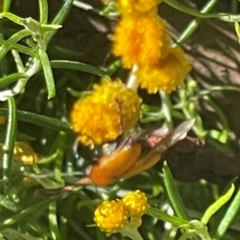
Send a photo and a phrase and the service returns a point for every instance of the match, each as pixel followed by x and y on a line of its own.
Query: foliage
pixel 41 162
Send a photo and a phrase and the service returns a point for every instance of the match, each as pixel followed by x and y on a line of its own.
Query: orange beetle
pixel 139 152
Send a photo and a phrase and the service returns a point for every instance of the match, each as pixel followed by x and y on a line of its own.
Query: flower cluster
pixel 141 39
pixel 115 216
pixel 110 110
pixel 24 153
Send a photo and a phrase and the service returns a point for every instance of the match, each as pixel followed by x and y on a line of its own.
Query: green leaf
pixel 6 5
pixel 9 142
pixel 8 203
pixel 12 17
pixel 48 183
pixel 231 212
pixel 237 29
pixel 62 139
pixel 60 18
pixel 11 78
pixel 40 120
pixel 217 205
pixel 173 193
pixel 52 217
pixel 48 74
pixel 43 11
pixel 156 213
pixel 64 64
pixel 38 207
pixel 7 45
pixel 182 8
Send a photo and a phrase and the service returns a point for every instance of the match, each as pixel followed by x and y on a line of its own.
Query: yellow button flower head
pixel 29 182
pixel 127 7
pixel 140 40
pixel 23 152
pixel 168 74
pixel 111 110
pixel 136 203
pixel 110 216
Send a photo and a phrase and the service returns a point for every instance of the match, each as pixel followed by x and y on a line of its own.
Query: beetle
pixel 137 153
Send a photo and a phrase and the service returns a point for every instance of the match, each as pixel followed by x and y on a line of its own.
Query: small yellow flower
pixel 141 40
pixel 23 152
pixel 127 7
pixel 168 74
pixel 110 216
pixel 111 110
pixel 136 203
pixel 29 182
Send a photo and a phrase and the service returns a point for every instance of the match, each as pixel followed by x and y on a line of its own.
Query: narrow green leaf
pixel 9 142
pixel 48 74
pixel 12 17
pixel 40 120
pixel 8 203
pixel 81 232
pixel 43 11
pixel 6 5
pixel 11 233
pixel 237 29
pixel 217 205
pixel 176 221
pixel 52 217
pixel 60 18
pixel 50 27
pixel 62 138
pixel 48 183
pixel 182 8
pixel 193 25
pixel 231 212
pixel 64 64
pixel 40 206
pixel 11 78
pixel 7 45
pixel 173 193
pixel 20 48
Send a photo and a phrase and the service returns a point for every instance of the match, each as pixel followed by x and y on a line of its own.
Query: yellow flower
pixel 127 7
pixel 136 203
pixel 122 216
pixel 111 110
pixel 23 152
pixel 110 216
pixel 29 182
pixel 141 40
pixel 168 74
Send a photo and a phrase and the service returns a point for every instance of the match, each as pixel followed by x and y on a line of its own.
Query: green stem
pixel 132 81
pixel 131 232
pixel 193 25
pixel 182 8
pixel 167 108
